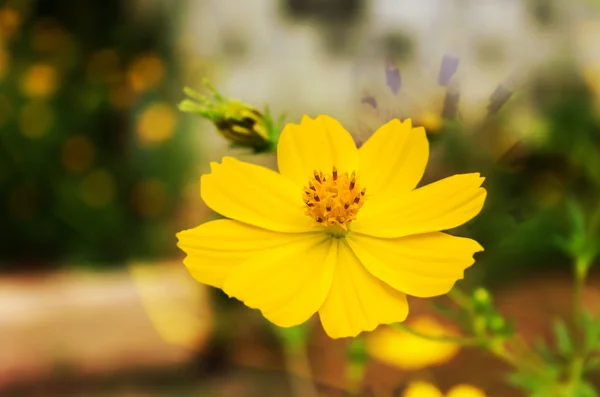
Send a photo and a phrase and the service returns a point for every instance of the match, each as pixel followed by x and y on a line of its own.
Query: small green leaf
pixel 563 340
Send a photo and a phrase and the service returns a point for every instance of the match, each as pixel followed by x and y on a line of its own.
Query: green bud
pixel 241 124
pixel 499 326
pixel 482 300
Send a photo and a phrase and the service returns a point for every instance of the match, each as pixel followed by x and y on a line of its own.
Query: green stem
pixel 460 298
pixel 298 364
pixel 437 338
pixel 581 268
pixel 497 347
pixel 576 366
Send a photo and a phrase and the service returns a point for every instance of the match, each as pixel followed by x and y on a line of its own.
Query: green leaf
pixel 563 340
pixel 592 365
pixel 541 347
pixel 589 331
pixel 585 390
pixel 577 216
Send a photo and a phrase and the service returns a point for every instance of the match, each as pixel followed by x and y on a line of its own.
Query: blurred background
pixel 99 170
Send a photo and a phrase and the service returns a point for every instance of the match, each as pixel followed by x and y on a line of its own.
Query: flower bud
pixel 241 124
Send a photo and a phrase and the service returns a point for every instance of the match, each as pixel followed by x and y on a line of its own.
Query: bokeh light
pixel 40 81
pixel 10 21
pixel 146 72
pixel 156 124
pixel 36 119
pixel 98 189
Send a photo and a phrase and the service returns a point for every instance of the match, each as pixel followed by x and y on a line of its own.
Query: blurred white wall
pixel 284 62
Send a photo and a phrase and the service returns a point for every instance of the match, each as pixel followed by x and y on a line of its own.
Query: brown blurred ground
pixel 76 334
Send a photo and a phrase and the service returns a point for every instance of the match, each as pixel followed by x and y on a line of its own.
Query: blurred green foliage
pixel 92 156
pixel 534 186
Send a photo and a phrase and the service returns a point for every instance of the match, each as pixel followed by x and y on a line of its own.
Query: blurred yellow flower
pixel 407 351
pixel 156 124
pixel 424 389
pixel 338 231
pixel 181 315
pixel 39 81
pixel 465 391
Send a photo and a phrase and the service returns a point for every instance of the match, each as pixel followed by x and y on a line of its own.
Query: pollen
pixel 333 199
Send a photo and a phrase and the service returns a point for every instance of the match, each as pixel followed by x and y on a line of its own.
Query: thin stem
pixel 581 268
pixel 460 298
pixel 298 365
pixel 439 338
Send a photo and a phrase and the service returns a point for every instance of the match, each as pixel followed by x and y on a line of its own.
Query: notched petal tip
pixel 214 165
pixel 305 119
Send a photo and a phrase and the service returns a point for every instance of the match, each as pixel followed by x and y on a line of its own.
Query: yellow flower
pixel 410 352
pixel 338 231
pixel 424 389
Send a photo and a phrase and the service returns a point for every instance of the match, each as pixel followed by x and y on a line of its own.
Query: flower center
pixel 333 200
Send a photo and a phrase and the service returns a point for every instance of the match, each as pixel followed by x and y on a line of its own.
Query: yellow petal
pixel 287 284
pixel 465 391
pixel 442 205
pixel 422 389
pixel 422 265
pixel 215 248
pixel 357 300
pixel 409 352
pixel 255 195
pixel 317 144
pixel 393 160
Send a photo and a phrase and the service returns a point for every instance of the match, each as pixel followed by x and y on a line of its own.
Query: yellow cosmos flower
pixel 424 389
pixel 410 352
pixel 338 231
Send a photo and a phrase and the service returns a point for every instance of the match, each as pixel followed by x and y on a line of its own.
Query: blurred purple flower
pixel 392 76
pixel 499 97
pixel 447 69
